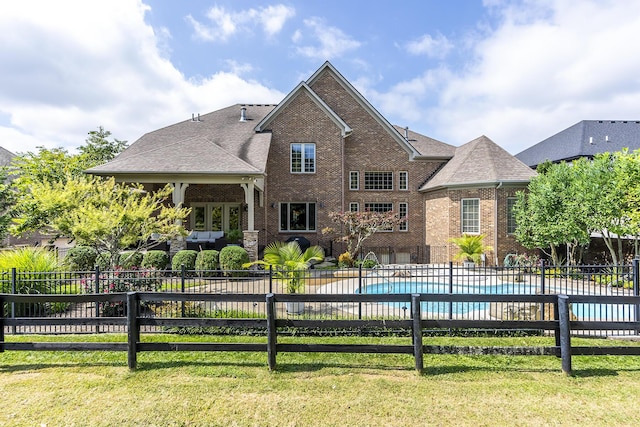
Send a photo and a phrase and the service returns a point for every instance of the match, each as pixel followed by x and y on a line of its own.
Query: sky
pixel 516 71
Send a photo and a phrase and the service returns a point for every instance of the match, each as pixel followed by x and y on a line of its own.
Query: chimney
pixel 243 114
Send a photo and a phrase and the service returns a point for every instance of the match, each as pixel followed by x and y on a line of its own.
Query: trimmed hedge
pixel 208 260
pixel 232 258
pixel 155 259
pixel 81 258
pixel 186 257
pixel 130 259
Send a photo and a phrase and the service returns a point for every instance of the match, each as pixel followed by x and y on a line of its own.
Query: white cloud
pixel 437 47
pixel 333 42
pixel 65 74
pixel 227 24
pixel 543 67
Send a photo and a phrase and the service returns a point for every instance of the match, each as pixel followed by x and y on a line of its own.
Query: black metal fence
pixel 591 282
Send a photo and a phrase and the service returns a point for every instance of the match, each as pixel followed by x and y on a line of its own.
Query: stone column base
pixel 251 244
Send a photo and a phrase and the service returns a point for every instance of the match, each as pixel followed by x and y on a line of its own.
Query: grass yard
pixel 237 389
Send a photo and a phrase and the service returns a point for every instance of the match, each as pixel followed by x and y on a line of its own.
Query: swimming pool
pixel 583 311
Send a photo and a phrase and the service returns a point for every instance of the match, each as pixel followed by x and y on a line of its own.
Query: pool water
pixel 583 311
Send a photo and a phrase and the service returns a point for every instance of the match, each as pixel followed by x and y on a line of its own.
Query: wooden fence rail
pixel 560 324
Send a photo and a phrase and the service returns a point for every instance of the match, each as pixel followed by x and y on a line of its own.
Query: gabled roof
pixel 425 146
pixel 328 67
pixel 5 157
pixel 304 88
pixel 219 142
pixel 584 139
pixel 480 162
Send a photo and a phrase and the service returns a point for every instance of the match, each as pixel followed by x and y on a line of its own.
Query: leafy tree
pixel 7 198
pixel 46 165
pixel 359 226
pixel 101 213
pixel 98 149
pixel 550 214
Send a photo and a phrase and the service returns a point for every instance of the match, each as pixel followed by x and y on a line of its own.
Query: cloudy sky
pixel 516 71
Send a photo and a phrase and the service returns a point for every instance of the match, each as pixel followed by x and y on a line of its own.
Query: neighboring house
pixel 277 171
pixel 5 157
pixel 584 139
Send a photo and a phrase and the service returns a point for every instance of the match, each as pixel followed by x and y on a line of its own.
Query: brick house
pixel 277 171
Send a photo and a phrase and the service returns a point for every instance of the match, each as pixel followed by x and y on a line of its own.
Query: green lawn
pixel 182 389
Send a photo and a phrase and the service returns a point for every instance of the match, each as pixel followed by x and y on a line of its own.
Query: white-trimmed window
pixel 303 158
pixel 403 210
pixel 470 216
pixel 298 216
pixel 403 180
pixel 379 207
pixel 354 206
pixel 354 180
pixel 511 217
pixel 378 180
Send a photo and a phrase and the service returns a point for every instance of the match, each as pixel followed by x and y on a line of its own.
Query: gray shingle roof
pixel 219 143
pixel 5 157
pixel 427 147
pixel 584 139
pixel 480 161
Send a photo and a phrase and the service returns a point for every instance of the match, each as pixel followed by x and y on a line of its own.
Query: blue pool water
pixel 583 311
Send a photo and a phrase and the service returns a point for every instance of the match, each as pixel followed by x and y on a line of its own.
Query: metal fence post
pixel 416 315
pixel 360 291
pixel 542 284
pixel 636 288
pixel 565 333
pixel 1 324
pixel 13 291
pixel 97 291
pixel 270 279
pixel 183 275
pixel 450 289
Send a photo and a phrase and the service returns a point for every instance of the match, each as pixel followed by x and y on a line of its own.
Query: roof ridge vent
pixel 194 119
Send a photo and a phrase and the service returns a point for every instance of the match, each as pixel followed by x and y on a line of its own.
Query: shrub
pixel 155 259
pixel 102 261
pixel 208 260
pixel 81 258
pixel 186 257
pixel 232 258
pixel 120 280
pixel 130 260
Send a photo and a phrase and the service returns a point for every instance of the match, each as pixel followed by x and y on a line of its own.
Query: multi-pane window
pixel 297 216
pixel 379 207
pixel 215 216
pixel 511 217
pixel 403 180
pixel 403 208
pixel 471 216
pixel 354 206
pixel 378 180
pixel 303 158
pixel 354 180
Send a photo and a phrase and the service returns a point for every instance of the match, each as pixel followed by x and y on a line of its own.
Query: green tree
pixel 551 214
pixel 7 198
pixel 98 149
pixel 101 213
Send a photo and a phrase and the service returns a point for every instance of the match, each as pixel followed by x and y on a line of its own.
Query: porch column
pixel 250 235
pixel 178 243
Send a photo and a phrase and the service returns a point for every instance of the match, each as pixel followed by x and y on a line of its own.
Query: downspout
pixel 495 222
